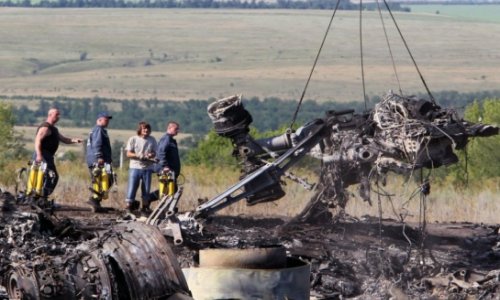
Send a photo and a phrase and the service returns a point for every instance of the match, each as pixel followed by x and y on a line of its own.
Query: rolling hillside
pixel 180 54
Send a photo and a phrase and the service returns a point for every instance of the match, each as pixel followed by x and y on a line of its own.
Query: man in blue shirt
pixel 168 153
pixel 98 151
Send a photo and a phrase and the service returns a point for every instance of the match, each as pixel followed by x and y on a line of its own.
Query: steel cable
pixel 314 66
pixel 409 52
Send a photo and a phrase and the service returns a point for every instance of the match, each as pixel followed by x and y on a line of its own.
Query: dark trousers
pixel 50 177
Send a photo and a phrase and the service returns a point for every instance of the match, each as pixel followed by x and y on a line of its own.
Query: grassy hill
pixel 184 54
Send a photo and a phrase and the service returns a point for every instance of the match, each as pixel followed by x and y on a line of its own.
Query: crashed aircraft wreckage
pixel 45 258
pixel 42 257
pixel 400 134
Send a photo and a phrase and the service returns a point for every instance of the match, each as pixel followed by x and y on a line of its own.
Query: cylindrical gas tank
pixel 259 273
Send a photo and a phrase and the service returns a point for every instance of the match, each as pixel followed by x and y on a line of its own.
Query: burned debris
pixel 43 257
pixel 358 259
pixel 400 134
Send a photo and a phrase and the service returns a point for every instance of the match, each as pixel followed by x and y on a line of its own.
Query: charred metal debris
pixel 350 259
pixel 43 257
pixel 400 134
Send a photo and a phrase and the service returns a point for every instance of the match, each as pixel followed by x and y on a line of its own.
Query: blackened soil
pixel 355 258
pixel 371 258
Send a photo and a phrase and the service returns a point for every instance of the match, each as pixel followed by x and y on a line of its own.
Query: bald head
pixel 53 116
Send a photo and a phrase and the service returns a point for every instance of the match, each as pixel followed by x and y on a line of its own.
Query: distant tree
pixel 483 152
pixel 478 161
pixel 44 107
pixel 11 145
pixel 212 151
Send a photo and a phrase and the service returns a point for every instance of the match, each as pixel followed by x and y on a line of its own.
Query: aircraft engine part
pixel 141 263
pixel 229 116
pixel 400 134
pixel 229 280
pixel 123 261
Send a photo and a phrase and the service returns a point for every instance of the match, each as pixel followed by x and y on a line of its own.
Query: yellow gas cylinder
pixel 167 184
pixel 96 179
pixel 41 168
pixel 171 183
pixel 32 176
pixel 163 183
pixel 105 176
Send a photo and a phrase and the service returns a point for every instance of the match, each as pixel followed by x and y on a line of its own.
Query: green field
pixel 181 54
pixel 481 13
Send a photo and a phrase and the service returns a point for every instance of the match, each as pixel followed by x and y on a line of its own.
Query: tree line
pixel 239 4
pixel 268 113
pixel 475 164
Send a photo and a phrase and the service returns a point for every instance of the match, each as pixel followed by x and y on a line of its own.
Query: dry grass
pixel 215 53
pixel 444 204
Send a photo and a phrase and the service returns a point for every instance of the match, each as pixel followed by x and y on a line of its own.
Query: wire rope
pixel 389 47
pixel 361 51
pixel 314 65
pixel 409 52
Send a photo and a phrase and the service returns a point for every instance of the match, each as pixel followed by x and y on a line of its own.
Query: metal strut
pixel 164 217
pixel 268 175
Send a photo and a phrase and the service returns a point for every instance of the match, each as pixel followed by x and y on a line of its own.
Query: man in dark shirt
pixel 167 155
pixel 46 144
pixel 98 150
pixel 167 152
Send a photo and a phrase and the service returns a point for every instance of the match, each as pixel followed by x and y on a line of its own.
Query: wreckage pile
pixel 399 135
pixel 56 258
pixel 362 259
pixel 45 257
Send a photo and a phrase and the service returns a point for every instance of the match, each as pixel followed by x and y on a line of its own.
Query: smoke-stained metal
pixel 400 134
pixel 47 258
pixel 271 257
pixel 253 275
pixel 143 263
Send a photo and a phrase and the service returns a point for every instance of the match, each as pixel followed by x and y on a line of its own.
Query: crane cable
pixel 362 63
pixel 409 52
pixel 389 47
pixel 314 66
pixel 361 51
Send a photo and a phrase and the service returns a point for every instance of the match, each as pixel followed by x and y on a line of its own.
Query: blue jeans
pixel 136 176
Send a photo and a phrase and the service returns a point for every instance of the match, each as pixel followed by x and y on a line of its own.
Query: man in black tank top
pixel 46 143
